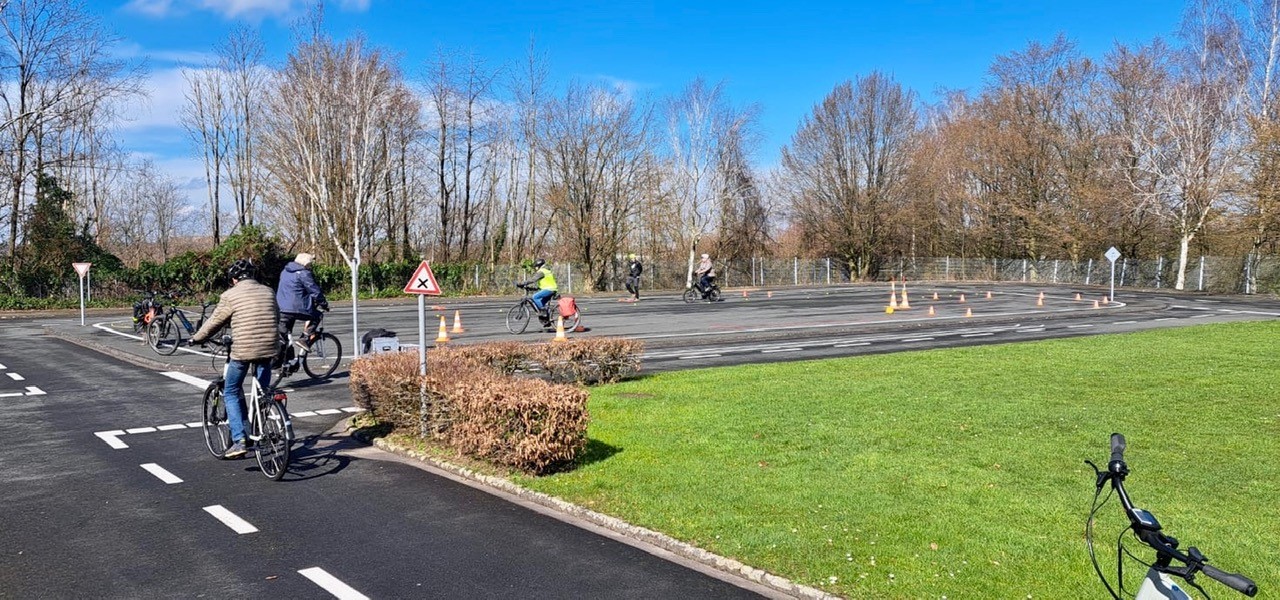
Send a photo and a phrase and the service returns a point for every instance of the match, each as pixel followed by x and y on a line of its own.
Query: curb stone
pixel 661 540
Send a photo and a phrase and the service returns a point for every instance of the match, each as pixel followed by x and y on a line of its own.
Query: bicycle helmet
pixel 537 264
pixel 241 269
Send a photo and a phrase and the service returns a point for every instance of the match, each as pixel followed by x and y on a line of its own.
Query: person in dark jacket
pixel 299 295
pixel 633 277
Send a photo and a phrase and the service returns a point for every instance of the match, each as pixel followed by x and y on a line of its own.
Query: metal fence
pixel 1204 273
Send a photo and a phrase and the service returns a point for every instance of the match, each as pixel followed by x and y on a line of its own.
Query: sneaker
pixel 235 451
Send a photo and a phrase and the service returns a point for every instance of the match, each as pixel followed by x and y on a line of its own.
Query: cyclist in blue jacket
pixel 299 296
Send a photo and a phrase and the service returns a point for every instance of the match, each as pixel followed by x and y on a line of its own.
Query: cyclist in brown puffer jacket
pixel 251 309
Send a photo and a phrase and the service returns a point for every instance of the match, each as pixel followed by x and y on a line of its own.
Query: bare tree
pixel 207 119
pixel 844 171
pixel 243 75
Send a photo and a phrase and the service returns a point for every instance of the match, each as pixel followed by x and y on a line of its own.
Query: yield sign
pixel 423 282
pixel 81 268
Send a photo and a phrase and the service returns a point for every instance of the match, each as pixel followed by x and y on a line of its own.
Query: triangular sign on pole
pixel 423 282
pixel 81 268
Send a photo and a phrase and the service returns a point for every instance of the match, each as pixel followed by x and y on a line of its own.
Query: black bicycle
pixel 518 316
pixel 710 293
pixel 165 333
pixel 315 351
pixel 1159 581
pixel 268 422
pixel 145 311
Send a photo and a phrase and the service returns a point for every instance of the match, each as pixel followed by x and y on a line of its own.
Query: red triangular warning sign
pixel 423 282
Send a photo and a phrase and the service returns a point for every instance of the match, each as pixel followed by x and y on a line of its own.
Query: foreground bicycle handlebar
pixel 1147 529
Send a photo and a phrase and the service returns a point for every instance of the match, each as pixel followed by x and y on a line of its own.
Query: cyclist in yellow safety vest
pixel 546 281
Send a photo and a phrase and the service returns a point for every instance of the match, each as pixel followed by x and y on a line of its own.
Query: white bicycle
pixel 1159 583
pixel 268 422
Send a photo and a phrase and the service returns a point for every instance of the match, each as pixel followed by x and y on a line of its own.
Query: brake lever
pixel 1102 476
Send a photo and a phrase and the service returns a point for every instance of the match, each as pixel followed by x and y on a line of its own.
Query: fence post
pixel 753 271
pixel 1088 272
pixel 828 270
pixel 477 276
pixel 1055 270
pixel 946 269
pixel 1248 258
pixel 1124 267
pixel 795 272
pixel 570 278
pixel 1159 270
pixel 1024 270
pixel 1200 288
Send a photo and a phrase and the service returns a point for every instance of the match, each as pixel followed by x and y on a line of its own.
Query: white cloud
pixel 131 50
pixel 235 9
pixel 166 91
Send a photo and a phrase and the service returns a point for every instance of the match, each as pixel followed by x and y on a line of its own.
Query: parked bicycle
pixel 1159 582
pixel 164 334
pixel 525 310
pixel 145 311
pixel 268 422
pixel 711 293
pixel 316 352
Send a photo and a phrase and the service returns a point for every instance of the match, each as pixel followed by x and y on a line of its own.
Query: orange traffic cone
pixel 560 331
pixel 988 295
pixel 893 300
pixel 744 293
pixel 962 298
pixel 904 304
pixel 457 322
pixel 443 336
pixel 1106 300
pixel 931 313
pixel 768 294
pixel 968 312
pixel 1095 304
pixel 935 295
pixel 1040 299
pixel 1077 296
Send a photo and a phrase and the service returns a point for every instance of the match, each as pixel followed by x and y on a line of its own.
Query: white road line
pixel 1200 316
pixel 331 584
pixel 34 391
pixel 781 350
pixel 919 339
pixel 184 378
pixel 1078 326
pixel 1124 323
pixel 303 413
pixel 171 427
pixel 195 425
pixel 852 344
pixel 161 473
pixel 2 367
pixel 352 409
pixel 140 430
pixel 328 411
pixel 976 334
pixel 1167 319
pixel 697 356
pixel 11 394
pixel 229 519
pixel 15 376
pixel 110 438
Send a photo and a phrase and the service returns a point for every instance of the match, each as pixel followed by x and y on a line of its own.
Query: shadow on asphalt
pixel 318 456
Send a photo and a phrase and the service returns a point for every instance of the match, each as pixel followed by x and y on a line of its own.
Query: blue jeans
pixel 233 394
pixel 540 298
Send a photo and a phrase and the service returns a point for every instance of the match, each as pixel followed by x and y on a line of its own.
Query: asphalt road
pixel 108 492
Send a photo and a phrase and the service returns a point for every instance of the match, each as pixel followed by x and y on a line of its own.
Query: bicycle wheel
pixel 167 337
pixel 322 359
pixel 518 317
pixel 217 432
pixel 713 295
pixel 272 449
pixel 690 296
pixel 571 321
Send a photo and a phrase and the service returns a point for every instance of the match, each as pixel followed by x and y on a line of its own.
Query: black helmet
pixel 241 269
pixel 537 264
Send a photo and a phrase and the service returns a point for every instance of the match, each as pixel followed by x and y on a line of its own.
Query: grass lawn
pixel 955 473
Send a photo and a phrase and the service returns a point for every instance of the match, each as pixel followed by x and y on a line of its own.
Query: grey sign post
pixel 1112 255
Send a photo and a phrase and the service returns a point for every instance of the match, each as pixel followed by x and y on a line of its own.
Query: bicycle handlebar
pixel 1147 529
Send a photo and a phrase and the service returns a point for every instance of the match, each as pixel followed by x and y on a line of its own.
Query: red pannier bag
pixel 568 307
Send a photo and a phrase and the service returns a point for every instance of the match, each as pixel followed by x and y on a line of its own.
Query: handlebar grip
pixel 1235 581
pixel 1117 447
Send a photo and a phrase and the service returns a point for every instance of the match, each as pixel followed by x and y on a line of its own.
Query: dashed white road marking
pixel 303 413
pixel 110 438
pixel 161 473
pixel 140 430
pixel 229 519
pixel 851 345
pixel 969 335
pixel 1167 319
pixel 1125 323
pixel 15 376
pixel 352 409
pixel 331 584
pixel 1078 326
pixel 34 391
pixel 172 427
pixel 698 356
pixel 184 378
pixel 328 411
pixel 918 339
pixel 781 350
pixel 2 367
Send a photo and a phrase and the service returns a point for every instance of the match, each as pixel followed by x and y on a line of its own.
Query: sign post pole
pixel 423 283
pixel 82 269
pixel 1112 255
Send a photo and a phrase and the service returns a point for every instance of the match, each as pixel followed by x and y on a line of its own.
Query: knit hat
pixel 304 259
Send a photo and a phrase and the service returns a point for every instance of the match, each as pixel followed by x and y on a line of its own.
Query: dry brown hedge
pixel 478 403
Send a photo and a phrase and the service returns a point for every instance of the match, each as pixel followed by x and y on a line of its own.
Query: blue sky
pixel 782 56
